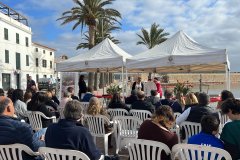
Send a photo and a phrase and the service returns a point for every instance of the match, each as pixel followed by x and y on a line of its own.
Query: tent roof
pixel 182 53
pixel 106 56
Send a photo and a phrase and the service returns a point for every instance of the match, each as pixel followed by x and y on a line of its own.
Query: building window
pixel 44 51
pixel 50 64
pixel 50 53
pixel 26 39
pixel 44 76
pixel 6 56
pixel 36 49
pixel 36 62
pixel 17 38
pixel 44 63
pixel 18 61
pixel 50 76
pixel 5 33
pixel 27 60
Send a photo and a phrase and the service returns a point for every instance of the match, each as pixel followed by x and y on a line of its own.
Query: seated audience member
pixel 195 114
pixel 27 96
pixel 225 94
pixel 181 100
pixel 149 86
pixel 231 130
pixel 19 106
pixel 1 92
pixel 88 95
pixel 49 101
pixel 191 100
pixel 9 93
pixel 207 137
pixel 142 104
pixel 54 97
pixel 132 98
pixel 153 99
pixel 157 129
pixel 68 133
pixel 116 102
pixel 94 109
pixel 174 104
pixel 14 131
pixel 37 103
pixel 71 91
pixel 65 99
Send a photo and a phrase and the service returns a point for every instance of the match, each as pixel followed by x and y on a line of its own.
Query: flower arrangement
pixel 114 89
pixel 182 87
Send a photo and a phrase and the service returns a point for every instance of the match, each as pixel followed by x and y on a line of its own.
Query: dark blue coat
pixel 66 134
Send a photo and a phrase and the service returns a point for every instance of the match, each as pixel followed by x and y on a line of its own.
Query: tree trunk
pixel 111 78
pixel 101 83
pixel 96 81
pixel 150 75
pixel 106 79
pixel 91 44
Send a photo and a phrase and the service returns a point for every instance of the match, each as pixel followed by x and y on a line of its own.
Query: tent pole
pixel 226 77
pixel 229 80
pixel 126 84
pixel 122 78
pixel 60 88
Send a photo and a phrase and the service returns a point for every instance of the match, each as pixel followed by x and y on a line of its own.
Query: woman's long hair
pixel 191 99
pixel 17 95
pixel 38 99
pixel 94 107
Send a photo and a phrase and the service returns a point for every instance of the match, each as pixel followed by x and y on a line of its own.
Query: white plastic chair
pixel 36 121
pixel 175 127
pixel 223 120
pixel 60 110
pixel 126 127
pixel 14 151
pixel 190 128
pixel 140 149
pixel 84 106
pixel 213 105
pixel 117 112
pixel 61 154
pixel 198 152
pixel 141 114
pixel 96 125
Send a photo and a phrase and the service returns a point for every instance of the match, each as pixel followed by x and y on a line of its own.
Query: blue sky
pixel 214 23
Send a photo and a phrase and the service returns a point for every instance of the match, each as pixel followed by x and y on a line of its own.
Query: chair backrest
pixel 60 110
pixel 117 112
pixel 96 124
pixel 198 152
pixel 141 114
pixel 14 151
pixel 190 128
pixel 146 150
pixel 176 115
pixel 223 119
pixel 127 125
pixel 84 106
pixel 61 154
pixel 213 105
pixel 35 119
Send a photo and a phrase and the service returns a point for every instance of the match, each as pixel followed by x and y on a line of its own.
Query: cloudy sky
pixel 214 23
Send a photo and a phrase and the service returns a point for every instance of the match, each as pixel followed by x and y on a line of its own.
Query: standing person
pixel 138 85
pixel 30 83
pixel 149 86
pixel 82 87
pixel 158 85
pixel 231 130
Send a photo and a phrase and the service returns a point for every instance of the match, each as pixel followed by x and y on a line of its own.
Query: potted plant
pixel 181 88
pixel 114 89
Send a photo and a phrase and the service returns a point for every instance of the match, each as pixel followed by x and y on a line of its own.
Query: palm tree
pixel 87 12
pixel 103 30
pixel 152 38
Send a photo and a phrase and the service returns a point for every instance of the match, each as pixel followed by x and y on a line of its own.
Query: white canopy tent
pixel 180 54
pixel 104 57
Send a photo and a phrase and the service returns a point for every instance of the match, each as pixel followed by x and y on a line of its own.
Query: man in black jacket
pixel 68 133
pixel 142 104
pixel 14 131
